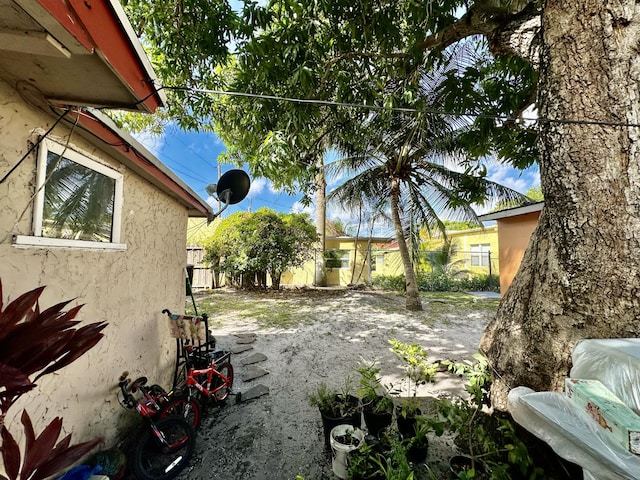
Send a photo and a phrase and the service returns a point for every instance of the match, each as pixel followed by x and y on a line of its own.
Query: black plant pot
pixel 376 422
pixel 417 452
pixel 407 425
pixel 329 421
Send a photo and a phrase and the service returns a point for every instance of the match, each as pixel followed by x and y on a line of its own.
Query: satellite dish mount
pixel 232 188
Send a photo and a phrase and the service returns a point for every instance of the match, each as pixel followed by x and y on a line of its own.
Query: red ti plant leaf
pixel 10 454
pixel 32 341
pixel 61 458
pixel 17 310
pixel 43 457
pixel 12 378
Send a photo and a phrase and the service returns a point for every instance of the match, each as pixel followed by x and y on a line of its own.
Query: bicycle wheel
pixel 184 407
pixel 226 370
pixel 155 460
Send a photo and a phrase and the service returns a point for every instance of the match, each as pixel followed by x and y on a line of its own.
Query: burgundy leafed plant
pixel 33 344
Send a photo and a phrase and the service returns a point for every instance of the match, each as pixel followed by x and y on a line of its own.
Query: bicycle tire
pixel 152 460
pixel 225 369
pixel 184 407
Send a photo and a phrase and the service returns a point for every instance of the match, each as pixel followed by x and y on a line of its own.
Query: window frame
pixel 49 146
pixel 345 255
pixel 482 255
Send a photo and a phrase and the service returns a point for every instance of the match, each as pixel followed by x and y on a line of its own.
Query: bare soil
pixel 311 336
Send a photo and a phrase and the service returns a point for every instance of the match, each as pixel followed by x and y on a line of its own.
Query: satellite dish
pixel 233 186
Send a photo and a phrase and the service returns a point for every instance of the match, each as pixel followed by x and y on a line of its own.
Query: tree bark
pixel 320 277
pixel 413 302
pixel 579 277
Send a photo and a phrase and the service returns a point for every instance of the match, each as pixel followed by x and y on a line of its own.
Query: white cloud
pixel 299 207
pixel 519 180
pixel 258 186
pixel 153 143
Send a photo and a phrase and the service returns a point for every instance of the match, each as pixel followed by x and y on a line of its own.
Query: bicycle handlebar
pixel 128 401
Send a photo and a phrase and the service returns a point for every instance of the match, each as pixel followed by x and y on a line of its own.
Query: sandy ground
pixel 279 435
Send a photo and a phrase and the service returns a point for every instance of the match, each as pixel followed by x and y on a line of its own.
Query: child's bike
pixel 165 448
pixel 209 378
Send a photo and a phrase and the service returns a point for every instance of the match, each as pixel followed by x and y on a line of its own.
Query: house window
pixel 480 254
pixel 81 199
pixel 337 259
pixel 378 261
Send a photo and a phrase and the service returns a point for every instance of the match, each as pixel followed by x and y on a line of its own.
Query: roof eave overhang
pixel 512 212
pixel 102 27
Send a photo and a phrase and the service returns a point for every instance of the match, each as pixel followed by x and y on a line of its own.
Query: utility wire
pixel 506 118
pixel 35 145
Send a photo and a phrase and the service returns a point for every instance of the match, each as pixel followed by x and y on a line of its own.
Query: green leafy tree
pixel 254 244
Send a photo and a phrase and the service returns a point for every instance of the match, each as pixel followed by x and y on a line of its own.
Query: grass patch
pixel 251 307
pixel 290 309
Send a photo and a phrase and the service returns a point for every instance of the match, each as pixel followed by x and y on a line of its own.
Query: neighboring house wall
pixel 514 234
pixel 350 264
pixel 476 251
pixel 388 262
pixel 126 288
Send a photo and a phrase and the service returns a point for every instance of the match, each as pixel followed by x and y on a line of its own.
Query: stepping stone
pixel 244 338
pixel 240 349
pixel 252 372
pixel 254 392
pixel 255 358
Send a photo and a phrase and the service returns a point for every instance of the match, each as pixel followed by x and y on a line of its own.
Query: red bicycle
pixel 207 377
pixel 165 448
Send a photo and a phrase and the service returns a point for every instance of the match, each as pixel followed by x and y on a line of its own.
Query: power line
pixel 505 118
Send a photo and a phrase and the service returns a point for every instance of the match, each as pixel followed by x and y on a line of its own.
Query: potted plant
pixel 337 407
pixel 363 464
pixel 418 371
pixel 344 439
pixel 418 443
pixel 377 405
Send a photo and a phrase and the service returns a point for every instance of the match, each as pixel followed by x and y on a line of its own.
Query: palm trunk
pixel 413 302
pixel 579 277
pixel 320 277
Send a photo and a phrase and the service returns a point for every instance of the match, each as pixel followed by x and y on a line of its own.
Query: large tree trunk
pixel 412 293
pixel 579 277
pixel 320 277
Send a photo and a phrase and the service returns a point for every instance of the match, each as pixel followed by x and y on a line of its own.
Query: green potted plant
pixel 418 443
pixel 418 371
pixel 377 405
pixel 336 406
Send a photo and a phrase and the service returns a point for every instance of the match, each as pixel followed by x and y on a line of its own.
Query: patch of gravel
pixel 279 435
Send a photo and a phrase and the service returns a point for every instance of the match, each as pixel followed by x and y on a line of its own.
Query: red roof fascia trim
pixel 116 142
pixel 58 10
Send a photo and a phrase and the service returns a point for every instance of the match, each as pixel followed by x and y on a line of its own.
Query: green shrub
pixel 440 282
pixel 394 283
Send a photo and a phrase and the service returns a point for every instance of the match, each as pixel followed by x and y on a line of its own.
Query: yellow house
pixel 473 251
pixel 347 262
pixel 476 250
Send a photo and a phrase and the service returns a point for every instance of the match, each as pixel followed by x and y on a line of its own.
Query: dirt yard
pixel 309 337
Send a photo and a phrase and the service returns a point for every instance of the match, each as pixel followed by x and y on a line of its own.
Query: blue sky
pixel 193 157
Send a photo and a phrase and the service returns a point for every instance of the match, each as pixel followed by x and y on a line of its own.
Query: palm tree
pixel 408 164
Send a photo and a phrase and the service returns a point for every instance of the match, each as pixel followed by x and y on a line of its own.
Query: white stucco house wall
pixel 59 61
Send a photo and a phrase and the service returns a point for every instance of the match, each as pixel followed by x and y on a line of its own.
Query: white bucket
pixel 340 451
